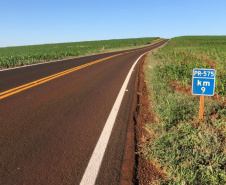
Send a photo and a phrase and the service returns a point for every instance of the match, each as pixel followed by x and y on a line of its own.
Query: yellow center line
pixel 48 78
pixel 54 76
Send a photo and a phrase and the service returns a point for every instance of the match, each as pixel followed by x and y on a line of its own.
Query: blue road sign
pixel 203 82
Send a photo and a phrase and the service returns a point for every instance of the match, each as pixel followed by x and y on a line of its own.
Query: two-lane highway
pixel 52 116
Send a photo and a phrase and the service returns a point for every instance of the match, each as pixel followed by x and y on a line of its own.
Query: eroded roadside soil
pixel 136 169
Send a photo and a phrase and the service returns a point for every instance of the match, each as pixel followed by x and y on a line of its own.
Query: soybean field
pixel 24 55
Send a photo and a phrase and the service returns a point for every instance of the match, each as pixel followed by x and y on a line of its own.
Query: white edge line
pixel 91 172
pixel 41 63
pixel 70 58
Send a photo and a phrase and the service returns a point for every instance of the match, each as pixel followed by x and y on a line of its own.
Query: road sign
pixel 203 82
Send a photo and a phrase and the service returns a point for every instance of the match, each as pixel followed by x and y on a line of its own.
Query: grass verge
pixel 190 150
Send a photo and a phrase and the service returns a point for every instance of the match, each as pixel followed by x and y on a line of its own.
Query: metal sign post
pixel 203 84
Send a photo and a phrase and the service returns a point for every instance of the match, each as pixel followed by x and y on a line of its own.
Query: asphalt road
pixel 50 127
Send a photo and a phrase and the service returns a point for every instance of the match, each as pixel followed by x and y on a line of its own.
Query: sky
pixel 31 22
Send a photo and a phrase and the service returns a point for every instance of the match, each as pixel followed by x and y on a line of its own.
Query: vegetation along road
pixel 53 116
pixel 179 147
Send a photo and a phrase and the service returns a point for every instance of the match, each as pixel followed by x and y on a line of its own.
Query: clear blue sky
pixel 28 22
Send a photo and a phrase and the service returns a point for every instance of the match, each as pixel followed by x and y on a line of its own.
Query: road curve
pixel 48 131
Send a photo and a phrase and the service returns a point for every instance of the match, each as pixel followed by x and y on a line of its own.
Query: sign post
pixel 203 84
pixel 201 107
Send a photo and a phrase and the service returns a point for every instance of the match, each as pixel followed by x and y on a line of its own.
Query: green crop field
pixel 189 150
pixel 24 55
